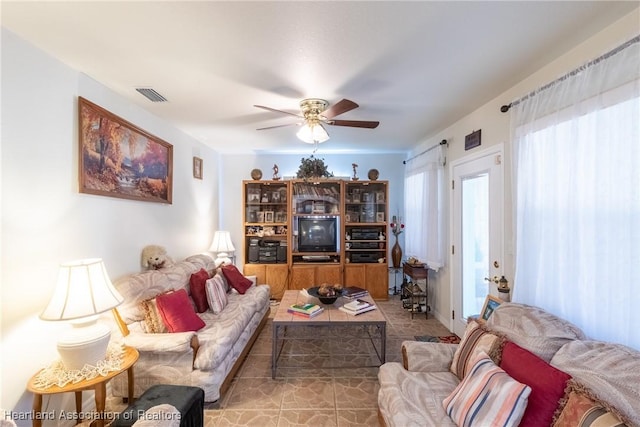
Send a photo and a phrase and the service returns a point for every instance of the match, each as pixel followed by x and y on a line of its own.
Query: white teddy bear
pixel 155 257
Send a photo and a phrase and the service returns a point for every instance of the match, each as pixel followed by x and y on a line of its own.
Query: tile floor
pixel 312 393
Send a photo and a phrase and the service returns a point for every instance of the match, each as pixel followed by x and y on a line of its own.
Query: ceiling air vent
pixel 151 94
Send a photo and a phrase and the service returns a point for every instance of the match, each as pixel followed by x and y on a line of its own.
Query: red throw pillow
pixel 177 312
pixel 547 383
pixel 236 280
pixel 198 290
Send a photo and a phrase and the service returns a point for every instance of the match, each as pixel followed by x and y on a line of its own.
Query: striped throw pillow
pixel 487 396
pixel 216 293
pixel 475 340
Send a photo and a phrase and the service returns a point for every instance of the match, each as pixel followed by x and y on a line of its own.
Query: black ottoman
pixel 188 400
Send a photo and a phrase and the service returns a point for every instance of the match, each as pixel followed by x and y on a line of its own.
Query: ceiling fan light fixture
pixel 313 133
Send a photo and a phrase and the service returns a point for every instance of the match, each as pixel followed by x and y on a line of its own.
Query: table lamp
pixel 222 246
pixel 82 292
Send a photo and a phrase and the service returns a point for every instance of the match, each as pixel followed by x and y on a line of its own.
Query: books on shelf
pixel 352 292
pixel 303 314
pixel 357 306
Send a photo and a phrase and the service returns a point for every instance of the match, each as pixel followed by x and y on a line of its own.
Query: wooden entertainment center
pixel 302 233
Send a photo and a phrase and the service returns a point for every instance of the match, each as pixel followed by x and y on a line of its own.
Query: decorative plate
pixel 256 174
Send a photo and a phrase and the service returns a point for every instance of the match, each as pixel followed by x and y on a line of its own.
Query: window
pixel 577 197
pixel 423 200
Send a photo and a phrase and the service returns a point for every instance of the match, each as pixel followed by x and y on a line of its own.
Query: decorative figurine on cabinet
pixel 275 173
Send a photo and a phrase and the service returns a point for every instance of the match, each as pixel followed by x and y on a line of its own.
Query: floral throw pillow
pixel 153 323
pixel 581 410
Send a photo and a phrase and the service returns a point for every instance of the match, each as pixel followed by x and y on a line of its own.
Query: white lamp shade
pixel 83 289
pixel 222 242
pixel 222 245
pixel 312 133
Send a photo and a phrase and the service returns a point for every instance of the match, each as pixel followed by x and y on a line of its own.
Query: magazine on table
pixel 303 314
pixel 308 308
pixel 351 292
pixel 357 306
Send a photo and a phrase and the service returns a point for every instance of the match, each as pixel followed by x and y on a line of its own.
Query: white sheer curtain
pixel 423 203
pixel 577 197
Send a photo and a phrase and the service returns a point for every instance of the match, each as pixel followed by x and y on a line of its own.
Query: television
pixel 317 234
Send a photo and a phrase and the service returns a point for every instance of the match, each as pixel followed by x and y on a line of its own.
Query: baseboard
pixel 442 319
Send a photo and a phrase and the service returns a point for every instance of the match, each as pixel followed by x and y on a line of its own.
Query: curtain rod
pixel 623 46
pixel 443 142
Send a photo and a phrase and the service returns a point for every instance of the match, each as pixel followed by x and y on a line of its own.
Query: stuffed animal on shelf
pixel 155 257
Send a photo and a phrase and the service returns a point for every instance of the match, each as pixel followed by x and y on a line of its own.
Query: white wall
pixel 45 221
pixel 495 129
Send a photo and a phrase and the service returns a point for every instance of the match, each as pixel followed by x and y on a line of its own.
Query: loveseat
pixel 571 380
pixel 213 346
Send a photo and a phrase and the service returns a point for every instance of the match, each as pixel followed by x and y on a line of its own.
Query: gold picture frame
pixel 118 159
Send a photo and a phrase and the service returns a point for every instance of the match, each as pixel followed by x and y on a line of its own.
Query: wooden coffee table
pixel 282 322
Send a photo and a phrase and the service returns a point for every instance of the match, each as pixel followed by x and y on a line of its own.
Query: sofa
pixel 188 344
pixel 526 365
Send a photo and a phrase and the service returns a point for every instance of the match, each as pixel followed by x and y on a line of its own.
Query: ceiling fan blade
pixel 339 108
pixel 354 123
pixel 278 111
pixel 280 126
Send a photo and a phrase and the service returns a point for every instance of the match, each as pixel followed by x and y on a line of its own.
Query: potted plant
pixel 313 167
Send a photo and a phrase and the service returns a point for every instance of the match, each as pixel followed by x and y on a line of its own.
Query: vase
pixel 396 254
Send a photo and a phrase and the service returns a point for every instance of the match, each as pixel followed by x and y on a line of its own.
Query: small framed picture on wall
pixel 197 168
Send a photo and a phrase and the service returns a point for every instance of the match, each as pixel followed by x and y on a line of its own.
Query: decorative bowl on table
pixel 327 294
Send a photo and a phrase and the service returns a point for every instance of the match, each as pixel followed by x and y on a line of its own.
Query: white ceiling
pixel 416 66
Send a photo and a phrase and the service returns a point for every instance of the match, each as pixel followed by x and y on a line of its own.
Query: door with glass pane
pixel 476 231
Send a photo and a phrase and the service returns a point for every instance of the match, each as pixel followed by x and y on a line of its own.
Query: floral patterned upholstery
pixel 610 371
pixel 175 358
pixel 411 393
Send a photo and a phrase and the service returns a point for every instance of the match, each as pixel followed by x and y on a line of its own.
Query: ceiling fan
pixel 315 113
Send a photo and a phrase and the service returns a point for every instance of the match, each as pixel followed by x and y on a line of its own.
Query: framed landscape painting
pixel 118 159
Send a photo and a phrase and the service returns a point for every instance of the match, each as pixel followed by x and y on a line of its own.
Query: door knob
pixel 496 264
